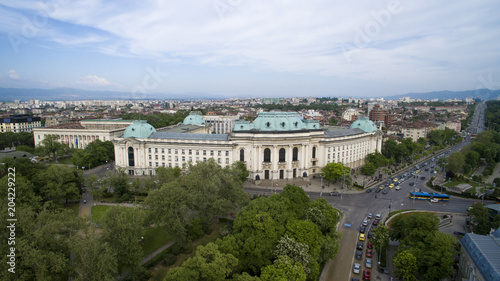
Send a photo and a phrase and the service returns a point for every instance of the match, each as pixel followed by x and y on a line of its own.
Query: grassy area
pixel 98 212
pixel 154 238
pixel 457 182
pixel 133 199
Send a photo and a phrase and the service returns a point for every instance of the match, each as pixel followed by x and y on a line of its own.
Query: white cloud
pixel 14 75
pixel 437 41
pixel 93 80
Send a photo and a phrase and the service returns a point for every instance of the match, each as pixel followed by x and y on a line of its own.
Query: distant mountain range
pixel 11 94
pixel 483 94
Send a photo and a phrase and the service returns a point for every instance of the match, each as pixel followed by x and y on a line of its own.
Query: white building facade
pixel 277 145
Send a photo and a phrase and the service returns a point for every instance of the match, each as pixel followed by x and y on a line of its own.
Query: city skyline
pixel 229 48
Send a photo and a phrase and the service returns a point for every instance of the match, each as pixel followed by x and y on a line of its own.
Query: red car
pixel 369 245
pixel 366 275
pixel 375 222
pixel 368 253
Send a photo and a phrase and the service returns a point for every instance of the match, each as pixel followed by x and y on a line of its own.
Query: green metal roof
pixel 139 129
pixel 364 124
pixel 277 121
pixel 194 119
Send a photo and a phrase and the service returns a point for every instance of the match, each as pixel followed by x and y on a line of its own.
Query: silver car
pixel 357 268
pixel 368 263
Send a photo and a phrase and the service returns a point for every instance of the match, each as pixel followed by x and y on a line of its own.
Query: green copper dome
pixel 194 119
pixel 277 121
pixel 139 129
pixel 364 124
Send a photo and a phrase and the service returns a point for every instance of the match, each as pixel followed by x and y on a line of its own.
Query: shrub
pixel 169 259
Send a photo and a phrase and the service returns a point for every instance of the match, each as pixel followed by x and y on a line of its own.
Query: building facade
pixel 19 123
pixel 277 145
pixel 220 124
pixel 479 257
pixel 79 135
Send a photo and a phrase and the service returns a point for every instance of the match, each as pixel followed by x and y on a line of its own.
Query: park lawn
pixel 154 238
pixel 98 212
pixel 457 182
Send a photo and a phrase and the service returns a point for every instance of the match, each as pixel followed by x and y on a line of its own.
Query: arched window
pixel 282 155
pixel 131 157
pixel 267 155
pixel 295 154
pixel 242 155
pixel 314 152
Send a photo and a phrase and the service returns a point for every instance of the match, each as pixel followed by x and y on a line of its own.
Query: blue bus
pixel 428 196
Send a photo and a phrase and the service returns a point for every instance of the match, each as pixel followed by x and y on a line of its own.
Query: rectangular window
pixel 149 150
pixel 169 151
pixel 227 152
pixel 227 161
pixel 156 157
pixel 156 164
pixel 163 157
pixel 176 151
pixel 211 153
pixel 169 158
pixel 156 150
pixel 197 152
pixel 204 159
pixel 150 164
pixel 176 158
pixel 170 165
pixel 197 159
pixel 150 156
pixel 163 164
pixel 190 159
pixel 183 151
pixel 163 150
pixel 219 153
pixel 204 152
pixel 190 152
pixel 183 158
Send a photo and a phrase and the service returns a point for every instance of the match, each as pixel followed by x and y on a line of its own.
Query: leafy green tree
pixel 167 174
pixel 241 170
pixel 435 256
pixel 283 269
pixel 93 258
pixel 389 148
pixel 455 162
pixel 413 228
pixel 170 206
pixel 51 146
pixel 472 158
pixel 333 171
pixel 323 215
pixel 208 264
pixel 406 265
pixel 60 182
pixel 377 159
pixel 380 238
pixel 123 229
pixel 496 222
pixel 480 219
pixel 245 277
pixel 297 251
pixel 119 182
pixel 368 169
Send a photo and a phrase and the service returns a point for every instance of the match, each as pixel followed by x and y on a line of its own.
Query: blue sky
pixel 243 48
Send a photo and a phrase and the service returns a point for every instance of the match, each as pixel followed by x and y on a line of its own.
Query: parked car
pixel 365 223
pixel 368 263
pixel 334 193
pixel 359 246
pixel 362 229
pixel 366 275
pixel 384 191
pixel 368 190
pixel 357 268
pixel 398 187
pixel 422 178
pixel 359 255
pixel 412 183
pixel 378 216
pixel 361 237
pixel 370 234
pixel 378 190
pixel 369 216
pixel 369 245
pixel 369 253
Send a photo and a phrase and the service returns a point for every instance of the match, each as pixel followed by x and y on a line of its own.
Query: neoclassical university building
pixel 277 145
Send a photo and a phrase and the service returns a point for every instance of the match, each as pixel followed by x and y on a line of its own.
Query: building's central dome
pixel 139 129
pixel 364 124
pixel 277 121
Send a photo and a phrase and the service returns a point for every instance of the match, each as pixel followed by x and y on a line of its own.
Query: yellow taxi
pixel 391 185
pixel 395 179
pixel 361 237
